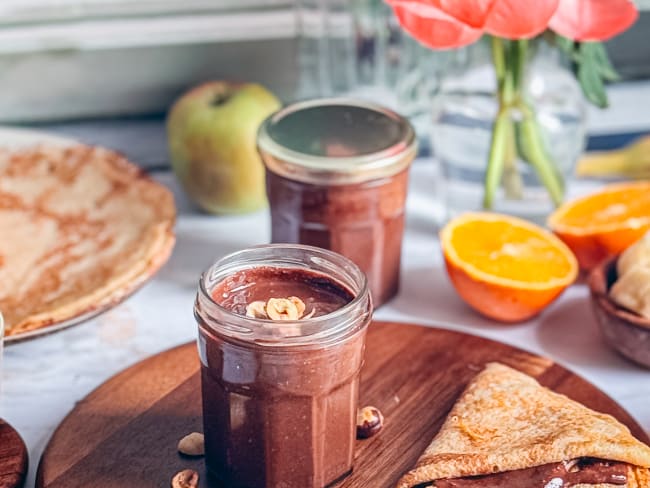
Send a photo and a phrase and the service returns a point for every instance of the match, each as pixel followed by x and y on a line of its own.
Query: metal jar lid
pixel 336 141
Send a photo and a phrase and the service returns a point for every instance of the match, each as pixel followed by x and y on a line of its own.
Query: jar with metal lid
pixel 337 176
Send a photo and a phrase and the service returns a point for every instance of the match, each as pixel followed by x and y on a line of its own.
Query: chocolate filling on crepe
pixel 559 475
pixel 507 431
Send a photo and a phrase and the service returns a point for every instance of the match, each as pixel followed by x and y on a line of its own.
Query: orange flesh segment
pixel 619 205
pixel 506 251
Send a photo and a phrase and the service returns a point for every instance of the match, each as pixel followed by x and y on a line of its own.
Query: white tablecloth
pixel 43 378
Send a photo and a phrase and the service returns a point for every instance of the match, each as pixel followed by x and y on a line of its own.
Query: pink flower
pixel 593 20
pixel 432 26
pixel 444 24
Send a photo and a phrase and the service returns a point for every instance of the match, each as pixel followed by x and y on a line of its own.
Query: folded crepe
pixel 506 430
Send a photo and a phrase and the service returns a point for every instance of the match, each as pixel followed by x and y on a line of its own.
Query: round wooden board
pixel 13 457
pixel 125 433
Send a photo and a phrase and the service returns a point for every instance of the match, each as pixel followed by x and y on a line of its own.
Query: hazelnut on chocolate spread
pixel 281 340
pixel 337 177
pixel 316 291
pixel 559 475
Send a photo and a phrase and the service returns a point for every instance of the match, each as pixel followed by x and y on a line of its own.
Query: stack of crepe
pixel 80 229
pixel 508 431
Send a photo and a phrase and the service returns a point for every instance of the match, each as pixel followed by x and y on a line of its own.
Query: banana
pixel 632 161
pixel 632 291
pixel 637 255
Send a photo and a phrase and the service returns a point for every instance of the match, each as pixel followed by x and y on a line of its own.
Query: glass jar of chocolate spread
pixel 281 340
pixel 337 175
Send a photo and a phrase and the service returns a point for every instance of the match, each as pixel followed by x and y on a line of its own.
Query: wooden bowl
pixel 624 331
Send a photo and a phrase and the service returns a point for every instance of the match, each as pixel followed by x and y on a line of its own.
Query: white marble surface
pixel 42 379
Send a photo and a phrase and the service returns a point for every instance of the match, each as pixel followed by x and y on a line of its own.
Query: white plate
pixel 17 138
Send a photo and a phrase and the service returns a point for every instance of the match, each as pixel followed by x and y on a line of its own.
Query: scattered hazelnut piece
pixel 282 309
pixel 369 422
pixel 310 314
pixel 572 466
pixel 192 445
pixel 188 478
pixel 300 305
pixel 256 310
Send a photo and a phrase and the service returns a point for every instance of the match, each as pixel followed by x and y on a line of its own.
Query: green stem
pixel 513 184
pixel 519 57
pixel 499 60
pixel 516 61
pixel 496 160
pixel 510 64
pixel 521 51
pixel 544 166
pixel 528 133
pixel 502 161
pixel 530 141
pixel 521 142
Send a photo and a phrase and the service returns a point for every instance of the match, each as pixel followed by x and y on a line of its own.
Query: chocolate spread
pixel 585 471
pixel 363 221
pixel 276 415
pixel 318 292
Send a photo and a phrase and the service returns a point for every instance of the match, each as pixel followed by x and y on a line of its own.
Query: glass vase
pixel 356 49
pixel 464 110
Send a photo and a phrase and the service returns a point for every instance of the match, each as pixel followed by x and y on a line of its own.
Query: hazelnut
pixel 188 478
pixel 192 445
pixel 310 314
pixel 281 309
pixel 292 308
pixel 300 305
pixel 256 310
pixel 369 422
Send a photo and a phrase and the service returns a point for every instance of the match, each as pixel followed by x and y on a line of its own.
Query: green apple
pixel 211 132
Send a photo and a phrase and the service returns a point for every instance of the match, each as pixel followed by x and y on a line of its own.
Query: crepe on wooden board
pixel 505 421
pixel 80 228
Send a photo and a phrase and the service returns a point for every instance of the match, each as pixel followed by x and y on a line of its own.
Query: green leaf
pixel 593 70
pixel 601 57
pixel 566 45
pixel 592 83
pixel 592 65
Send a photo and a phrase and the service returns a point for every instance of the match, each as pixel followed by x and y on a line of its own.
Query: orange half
pixel 504 267
pixel 604 223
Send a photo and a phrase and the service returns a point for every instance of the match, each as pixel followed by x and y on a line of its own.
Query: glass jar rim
pixel 312 168
pixel 251 325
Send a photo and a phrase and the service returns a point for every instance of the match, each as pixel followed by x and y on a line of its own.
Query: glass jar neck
pixel 336 141
pixel 339 172
pixel 313 332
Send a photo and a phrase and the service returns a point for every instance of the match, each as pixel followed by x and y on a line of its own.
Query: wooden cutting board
pixel 125 433
pixel 13 457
